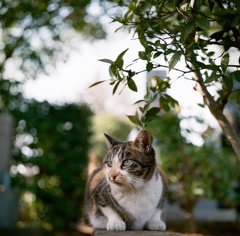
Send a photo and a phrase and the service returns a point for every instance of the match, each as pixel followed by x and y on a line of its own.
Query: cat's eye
pixel 109 164
pixel 126 163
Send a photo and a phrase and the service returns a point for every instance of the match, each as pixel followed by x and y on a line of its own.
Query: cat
pixel 128 192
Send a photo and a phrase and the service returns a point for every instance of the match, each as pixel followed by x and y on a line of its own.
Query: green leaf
pixel 202 22
pixel 115 87
pixel 142 100
pixel 106 61
pixel 142 55
pixel 157 54
pixel 153 111
pixel 211 78
pixel 149 66
pixel 113 70
pixel 210 54
pixel 171 101
pixel 236 2
pixel 94 84
pixel 132 85
pixel 236 75
pixel 119 60
pixel 235 96
pixel 164 103
pixel 225 62
pixel 188 28
pixel 227 42
pixel 134 120
pixel 201 105
pixel 131 6
pixel 174 60
pixel 227 82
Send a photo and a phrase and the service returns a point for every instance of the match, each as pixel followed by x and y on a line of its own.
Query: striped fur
pixel 129 191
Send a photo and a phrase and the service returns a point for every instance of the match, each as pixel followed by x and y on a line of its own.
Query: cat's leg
pixel 155 223
pixel 98 221
pixel 115 222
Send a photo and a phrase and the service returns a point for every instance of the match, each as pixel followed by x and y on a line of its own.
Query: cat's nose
pixel 114 177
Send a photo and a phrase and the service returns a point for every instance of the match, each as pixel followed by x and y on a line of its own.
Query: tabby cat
pixel 129 191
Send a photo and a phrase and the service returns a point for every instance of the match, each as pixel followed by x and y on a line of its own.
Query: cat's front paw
pixel 116 225
pixel 156 225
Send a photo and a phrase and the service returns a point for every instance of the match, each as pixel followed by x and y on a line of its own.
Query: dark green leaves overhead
pixel 202 22
pixel 193 40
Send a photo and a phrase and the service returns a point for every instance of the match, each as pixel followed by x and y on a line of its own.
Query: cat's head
pixel 128 165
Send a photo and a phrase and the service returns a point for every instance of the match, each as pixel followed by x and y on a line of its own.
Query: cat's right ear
pixel 111 142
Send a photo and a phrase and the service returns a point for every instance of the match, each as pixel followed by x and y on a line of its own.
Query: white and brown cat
pixel 128 192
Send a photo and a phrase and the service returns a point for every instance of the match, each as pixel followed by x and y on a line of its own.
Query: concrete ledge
pixel 134 233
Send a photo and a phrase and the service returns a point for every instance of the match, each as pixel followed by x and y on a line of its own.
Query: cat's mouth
pixel 117 182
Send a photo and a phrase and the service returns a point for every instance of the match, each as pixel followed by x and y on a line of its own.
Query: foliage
pixel 49 166
pixel 36 34
pixel 204 35
pixel 110 124
pixel 193 171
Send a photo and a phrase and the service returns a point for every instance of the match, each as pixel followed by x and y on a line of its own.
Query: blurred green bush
pixel 208 170
pixel 50 157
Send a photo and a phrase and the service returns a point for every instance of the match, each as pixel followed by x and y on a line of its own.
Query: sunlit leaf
pixel 164 103
pixel 225 62
pixel 171 101
pixel 106 61
pixel 134 120
pixel 174 60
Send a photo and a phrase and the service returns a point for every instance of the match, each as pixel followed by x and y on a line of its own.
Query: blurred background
pixel 52 125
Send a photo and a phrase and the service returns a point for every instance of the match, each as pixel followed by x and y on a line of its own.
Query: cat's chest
pixel 141 204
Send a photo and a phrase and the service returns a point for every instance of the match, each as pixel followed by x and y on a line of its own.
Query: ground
pixel 208 228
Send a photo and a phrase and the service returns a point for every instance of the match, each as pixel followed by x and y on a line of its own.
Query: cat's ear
pixel 110 141
pixel 143 141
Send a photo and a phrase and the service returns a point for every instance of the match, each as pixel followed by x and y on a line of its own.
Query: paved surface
pixel 135 233
pixel 205 210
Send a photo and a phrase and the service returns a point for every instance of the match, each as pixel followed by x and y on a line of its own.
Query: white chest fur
pixel 140 204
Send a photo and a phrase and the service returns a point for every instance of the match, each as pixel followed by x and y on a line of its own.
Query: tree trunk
pixel 217 112
pixel 187 205
pixel 190 225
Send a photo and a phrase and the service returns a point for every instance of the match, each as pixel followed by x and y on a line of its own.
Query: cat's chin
pixel 119 184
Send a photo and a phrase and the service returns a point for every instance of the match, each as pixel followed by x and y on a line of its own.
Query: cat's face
pixel 128 165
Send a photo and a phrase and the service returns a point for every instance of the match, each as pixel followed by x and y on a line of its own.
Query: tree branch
pixel 217 111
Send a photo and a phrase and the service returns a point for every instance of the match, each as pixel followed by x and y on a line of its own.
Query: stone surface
pixel 135 233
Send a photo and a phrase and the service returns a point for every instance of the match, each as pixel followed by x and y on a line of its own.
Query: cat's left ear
pixel 111 142
pixel 143 141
